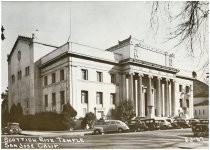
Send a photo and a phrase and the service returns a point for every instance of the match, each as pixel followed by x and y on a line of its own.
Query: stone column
pixel 166 98
pixel 124 87
pixel 140 93
pixel 173 101
pixel 131 88
pixel 158 98
pixel 150 101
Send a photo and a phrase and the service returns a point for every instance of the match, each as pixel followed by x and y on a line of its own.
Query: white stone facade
pixel 94 80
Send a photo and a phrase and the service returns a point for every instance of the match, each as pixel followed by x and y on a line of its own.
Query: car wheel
pixel 120 130
pixel 97 132
pixel 138 129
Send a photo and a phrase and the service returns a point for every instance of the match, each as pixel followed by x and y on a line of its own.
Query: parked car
pixel 193 122
pixel 110 126
pixel 163 124
pixel 150 123
pixel 12 128
pixel 173 122
pixel 201 128
pixel 137 125
pixel 182 123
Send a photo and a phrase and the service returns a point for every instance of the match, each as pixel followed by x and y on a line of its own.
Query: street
pixel 176 138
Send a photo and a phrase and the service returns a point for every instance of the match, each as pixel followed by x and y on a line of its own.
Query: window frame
pixel 99 76
pixel 85 94
pixel 53 77
pixel 62 97
pixel 113 78
pixel 54 99
pixel 46 100
pixel 62 76
pixel 100 96
pixel 84 74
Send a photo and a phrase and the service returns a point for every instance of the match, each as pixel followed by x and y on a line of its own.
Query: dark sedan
pixel 137 125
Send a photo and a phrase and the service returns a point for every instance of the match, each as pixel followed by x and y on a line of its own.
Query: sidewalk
pixel 57 133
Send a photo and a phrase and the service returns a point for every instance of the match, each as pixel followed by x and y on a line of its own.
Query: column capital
pixel 150 76
pixel 167 79
pixel 141 74
pixel 159 78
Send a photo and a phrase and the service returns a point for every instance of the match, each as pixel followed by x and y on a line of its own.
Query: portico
pixel 153 98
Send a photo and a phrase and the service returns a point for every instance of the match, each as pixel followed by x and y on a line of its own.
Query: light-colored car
pixel 163 124
pixel 110 126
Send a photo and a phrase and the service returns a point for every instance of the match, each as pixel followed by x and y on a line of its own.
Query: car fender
pixel 99 128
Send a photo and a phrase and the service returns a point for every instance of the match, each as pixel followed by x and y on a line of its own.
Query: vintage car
pixel 201 129
pixel 150 123
pixel 163 124
pixel 108 126
pixel 137 125
pixel 12 128
pixel 193 122
pixel 182 123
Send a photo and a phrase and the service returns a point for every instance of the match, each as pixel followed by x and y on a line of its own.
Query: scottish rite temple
pixel 94 80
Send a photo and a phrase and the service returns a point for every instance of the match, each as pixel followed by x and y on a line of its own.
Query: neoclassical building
pixel 95 80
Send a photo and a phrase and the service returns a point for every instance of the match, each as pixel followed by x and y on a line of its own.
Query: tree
pixel 89 120
pixel 125 111
pixel 4 108
pixel 67 108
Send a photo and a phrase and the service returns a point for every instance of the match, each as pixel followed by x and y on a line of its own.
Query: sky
pixel 98 24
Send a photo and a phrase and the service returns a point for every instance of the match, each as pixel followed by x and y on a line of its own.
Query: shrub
pixel 89 120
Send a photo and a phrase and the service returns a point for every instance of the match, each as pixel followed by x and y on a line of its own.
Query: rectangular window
pixel 203 112
pixel 62 97
pixel 27 104
pixel 180 102
pixel 180 88
pixel 195 112
pixel 84 74
pixel 53 99
pixel 13 78
pixel 45 81
pixel 46 100
pixel 99 98
pixel 19 75
pixel 113 98
pixel 84 97
pixel 27 71
pixel 113 78
pixel 53 77
pixel 61 75
pixel 99 76
pixel 187 89
pixel 199 112
pixel 187 102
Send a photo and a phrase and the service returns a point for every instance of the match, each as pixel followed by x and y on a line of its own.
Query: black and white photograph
pixel 104 74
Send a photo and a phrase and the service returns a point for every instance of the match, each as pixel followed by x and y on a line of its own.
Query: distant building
pixel 94 80
pixel 201 99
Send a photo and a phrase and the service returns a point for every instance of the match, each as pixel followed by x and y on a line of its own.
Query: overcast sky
pixel 98 24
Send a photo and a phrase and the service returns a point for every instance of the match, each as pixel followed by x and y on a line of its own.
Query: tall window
pixel 99 98
pixel 199 112
pixel 46 100
pixel 45 81
pixel 180 102
pixel 53 99
pixel 187 89
pixel 19 75
pixel 27 71
pixel 13 78
pixel 187 102
pixel 84 97
pixel 53 77
pixel 203 112
pixel 84 74
pixel 195 112
pixel 27 104
pixel 62 97
pixel 99 76
pixel 180 88
pixel 61 75
pixel 113 98
pixel 113 78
